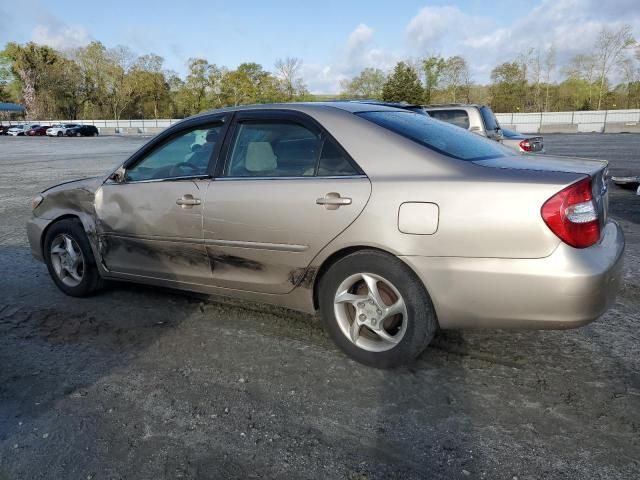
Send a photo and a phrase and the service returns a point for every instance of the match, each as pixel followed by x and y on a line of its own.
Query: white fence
pixel 602 121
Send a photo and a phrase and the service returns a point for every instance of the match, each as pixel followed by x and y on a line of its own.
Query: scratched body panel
pixel 142 231
pixel 275 225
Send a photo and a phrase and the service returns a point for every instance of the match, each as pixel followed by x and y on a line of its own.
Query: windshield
pixel 442 137
pixel 490 120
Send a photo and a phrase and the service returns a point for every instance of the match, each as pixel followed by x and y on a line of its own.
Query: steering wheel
pixel 178 166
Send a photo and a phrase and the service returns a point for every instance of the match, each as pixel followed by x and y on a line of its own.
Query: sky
pixel 335 39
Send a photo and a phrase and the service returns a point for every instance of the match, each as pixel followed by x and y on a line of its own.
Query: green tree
pixel 31 63
pixel 508 87
pixel 367 84
pixel 432 68
pixel 403 85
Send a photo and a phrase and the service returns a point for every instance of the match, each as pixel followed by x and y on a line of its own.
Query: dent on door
pixel 153 229
pixel 261 235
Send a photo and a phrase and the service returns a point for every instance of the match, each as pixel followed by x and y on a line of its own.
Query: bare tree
pixel 583 67
pixel 455 74
pixel 549 65
pixel 610 46
pixel 288 70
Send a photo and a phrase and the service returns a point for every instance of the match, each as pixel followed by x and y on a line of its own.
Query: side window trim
pixel 209 123
pixel 274 115
pixel 261 117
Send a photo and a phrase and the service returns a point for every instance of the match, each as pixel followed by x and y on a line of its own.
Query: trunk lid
pixel 596 169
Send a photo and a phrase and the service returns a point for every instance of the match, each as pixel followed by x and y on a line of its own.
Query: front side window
pixel 273 149
pixel 186 155
pixel 459 118
pixel 438 136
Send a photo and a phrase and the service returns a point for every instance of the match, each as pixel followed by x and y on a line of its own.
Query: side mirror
pixel 118 176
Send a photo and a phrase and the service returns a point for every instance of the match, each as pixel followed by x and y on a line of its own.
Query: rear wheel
pixel 376 309
pixel 78 134
pixel 70 260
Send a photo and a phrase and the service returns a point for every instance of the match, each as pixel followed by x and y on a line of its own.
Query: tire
pixel 95 134
pixel 59 134
pixel 345 298
pixel 78 134
pixel 87 279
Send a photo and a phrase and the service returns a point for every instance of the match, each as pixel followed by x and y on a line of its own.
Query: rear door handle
pixel 333 201
pixel 187 201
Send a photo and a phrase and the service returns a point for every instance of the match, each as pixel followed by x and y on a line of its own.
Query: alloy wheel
pixel 371 312
pixel 67 260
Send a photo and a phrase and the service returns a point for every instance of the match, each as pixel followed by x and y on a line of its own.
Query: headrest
pixel 212 136
pixel 260 157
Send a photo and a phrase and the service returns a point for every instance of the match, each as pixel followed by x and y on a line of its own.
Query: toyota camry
pixel 386 222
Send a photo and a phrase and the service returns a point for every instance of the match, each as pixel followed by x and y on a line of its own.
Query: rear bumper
pixel 569 288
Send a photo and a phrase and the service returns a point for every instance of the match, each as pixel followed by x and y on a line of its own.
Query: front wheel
pixel 59 134
pixel 70 260
pixel 78 134
pixel 376 309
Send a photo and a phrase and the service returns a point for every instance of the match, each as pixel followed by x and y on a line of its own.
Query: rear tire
pixel 70 260
pixel 384 329
pixel 78 134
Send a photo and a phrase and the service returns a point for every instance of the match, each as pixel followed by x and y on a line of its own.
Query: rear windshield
pixel 490 120
pixel 439 136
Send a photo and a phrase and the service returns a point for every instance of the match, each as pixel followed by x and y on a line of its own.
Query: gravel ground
pixel 145 383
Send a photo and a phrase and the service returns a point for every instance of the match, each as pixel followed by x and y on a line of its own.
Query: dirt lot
pixel 147 384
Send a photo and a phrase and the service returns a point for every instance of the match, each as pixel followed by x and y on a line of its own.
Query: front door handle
pixel 333 201
pixel 187 201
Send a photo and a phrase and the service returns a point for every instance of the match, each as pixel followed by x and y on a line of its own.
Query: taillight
pixel 572 215
pixel 525 145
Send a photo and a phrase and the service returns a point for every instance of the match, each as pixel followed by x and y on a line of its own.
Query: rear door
pixel 283 192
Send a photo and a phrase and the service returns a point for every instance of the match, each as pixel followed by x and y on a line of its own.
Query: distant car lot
pixel 152 384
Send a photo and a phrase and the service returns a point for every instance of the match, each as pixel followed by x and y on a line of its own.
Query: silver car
pixel 389 223
pixel 521 142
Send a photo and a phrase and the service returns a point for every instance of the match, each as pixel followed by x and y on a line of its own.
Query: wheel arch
pixel 87 226
pixel 344 252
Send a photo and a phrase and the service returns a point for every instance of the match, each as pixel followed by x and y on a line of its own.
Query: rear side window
pixel 460 118
pixel 439 136
pixel 333 162
pixel 490 120
pixel 273 149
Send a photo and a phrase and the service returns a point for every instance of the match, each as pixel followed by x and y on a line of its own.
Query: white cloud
pixel 360 38
pixel 52 31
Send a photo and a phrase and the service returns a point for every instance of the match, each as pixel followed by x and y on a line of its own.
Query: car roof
pixel 448 105
pixel 347 106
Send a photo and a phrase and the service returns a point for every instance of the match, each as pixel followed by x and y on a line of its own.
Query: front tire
pixel 376 309
pixel 70 260
pixel 59 134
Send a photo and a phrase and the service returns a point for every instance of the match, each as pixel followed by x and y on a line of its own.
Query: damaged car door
pixel 285 189
pixel 150 210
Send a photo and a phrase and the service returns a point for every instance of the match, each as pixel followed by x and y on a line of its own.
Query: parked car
pixel 60 129
pixel 21 130
pixel 478 119
pixel 38 131
pixel 388 222
pixel 521 142
pixel 82 131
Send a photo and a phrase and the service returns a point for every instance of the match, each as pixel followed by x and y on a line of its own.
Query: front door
pixel 285 191
pixel 150 222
